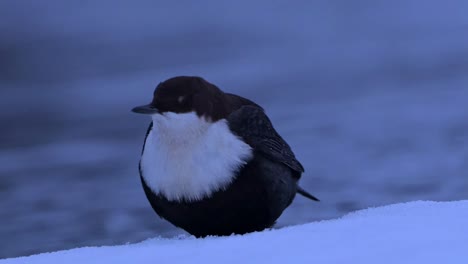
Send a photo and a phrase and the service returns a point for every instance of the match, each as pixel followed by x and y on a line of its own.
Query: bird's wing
pixel 254 127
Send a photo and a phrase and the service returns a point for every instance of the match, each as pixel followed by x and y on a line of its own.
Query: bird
pixel 212 163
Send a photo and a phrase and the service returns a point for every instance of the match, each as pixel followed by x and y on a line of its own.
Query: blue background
pixel 371 95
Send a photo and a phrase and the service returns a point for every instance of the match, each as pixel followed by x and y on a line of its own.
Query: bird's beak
pixel 146 109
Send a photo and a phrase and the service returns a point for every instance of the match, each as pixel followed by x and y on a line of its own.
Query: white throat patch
pixel 187 157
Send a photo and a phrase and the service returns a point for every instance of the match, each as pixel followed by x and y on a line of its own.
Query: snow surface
pixel 416 232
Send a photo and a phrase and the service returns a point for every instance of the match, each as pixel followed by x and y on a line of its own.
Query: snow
pixel 415 232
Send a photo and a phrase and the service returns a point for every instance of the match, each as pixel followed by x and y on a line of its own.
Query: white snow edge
pixel 416 232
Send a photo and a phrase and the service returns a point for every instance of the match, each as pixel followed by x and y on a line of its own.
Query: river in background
pixel 370 95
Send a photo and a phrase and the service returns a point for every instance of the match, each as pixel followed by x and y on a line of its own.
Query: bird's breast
pixel 191 164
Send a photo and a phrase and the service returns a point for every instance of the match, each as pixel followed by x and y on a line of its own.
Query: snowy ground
pixel 416 232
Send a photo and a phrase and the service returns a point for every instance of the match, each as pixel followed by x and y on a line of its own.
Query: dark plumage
pixel 260 188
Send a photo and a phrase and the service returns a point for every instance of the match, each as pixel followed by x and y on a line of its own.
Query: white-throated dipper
pixel 212 163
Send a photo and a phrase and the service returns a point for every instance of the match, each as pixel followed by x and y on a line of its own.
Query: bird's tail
pixel 306 194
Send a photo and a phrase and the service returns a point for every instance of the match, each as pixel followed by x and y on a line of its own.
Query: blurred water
pixel 370 95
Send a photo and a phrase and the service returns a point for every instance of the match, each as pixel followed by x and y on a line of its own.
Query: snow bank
pixel 417 232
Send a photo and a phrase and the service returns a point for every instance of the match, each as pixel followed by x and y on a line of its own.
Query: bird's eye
pixel 180 99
